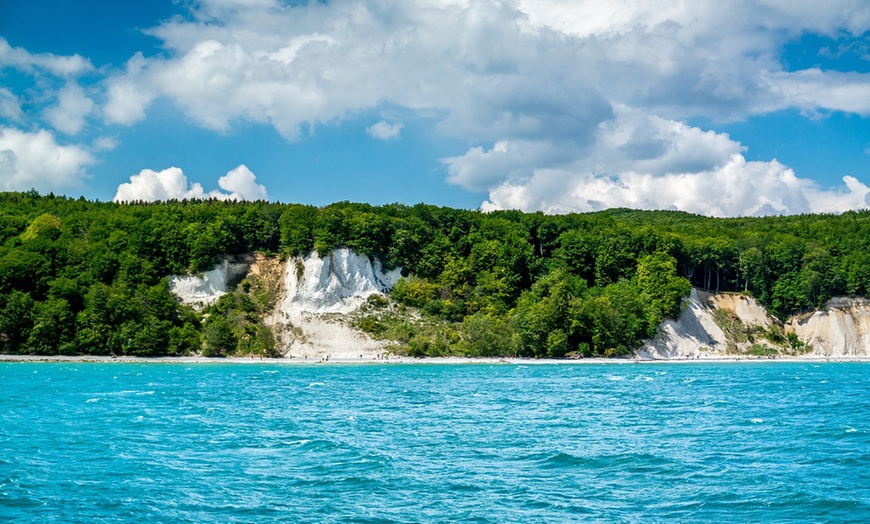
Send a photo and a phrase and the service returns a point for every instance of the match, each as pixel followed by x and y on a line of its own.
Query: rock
pixel 337 283
pixel 710 325
pixel 841 330
pixel 205 289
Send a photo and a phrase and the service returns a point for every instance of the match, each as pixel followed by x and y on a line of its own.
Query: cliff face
pixel 841 330
pixel 317 296
pixel 710 325
pixel 205 289
pixel 337 283
pixel 729 325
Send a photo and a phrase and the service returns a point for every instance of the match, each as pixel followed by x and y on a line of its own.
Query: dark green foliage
pixel 16 320
pixel 296 224
pixel 487 335
pixel 415 292
pixel 90 277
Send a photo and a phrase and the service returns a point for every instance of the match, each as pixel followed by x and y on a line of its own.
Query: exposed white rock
pixel 318 294
pixel 744 307
pixel 337 283
pixel 205 289
pixel 841 330
pixel 697 335
pixel 693 335
pixel 327 335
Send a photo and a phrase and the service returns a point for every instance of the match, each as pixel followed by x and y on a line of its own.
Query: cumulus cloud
pixel 104 143
pixel 739 188
pixel 172 184
pixel 522 67
pixel 68 115
pixel 127 95
pixel 241 184
pixel 645 162
pixel 631 141
pixel 36 160
pixel 814 89
pixel 565 104
pixel 10 106
pixel 384 130
pixel 20 58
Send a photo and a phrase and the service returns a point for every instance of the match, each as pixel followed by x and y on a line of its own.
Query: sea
pixel 404 443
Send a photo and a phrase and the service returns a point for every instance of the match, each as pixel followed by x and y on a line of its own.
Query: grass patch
pixel 762 350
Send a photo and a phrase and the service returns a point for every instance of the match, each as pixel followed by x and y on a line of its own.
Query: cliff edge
pixel 729 325
pixel 842 329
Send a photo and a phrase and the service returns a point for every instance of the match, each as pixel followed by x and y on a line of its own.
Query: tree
pixel 662 289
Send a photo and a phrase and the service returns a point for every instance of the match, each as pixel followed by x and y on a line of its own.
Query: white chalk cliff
pixel 842 329
pixel 319 293
pixel 697 334
pixel 337 283
pixel 316 296
pixel 715 325
pixel 205 289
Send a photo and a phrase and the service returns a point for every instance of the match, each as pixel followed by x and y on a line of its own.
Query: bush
pixel 485 335
pixel 762 350
pixel 415 292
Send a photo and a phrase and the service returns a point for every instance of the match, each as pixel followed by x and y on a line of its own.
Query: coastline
pixel 415 360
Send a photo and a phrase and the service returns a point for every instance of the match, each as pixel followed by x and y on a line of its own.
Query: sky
pixel 738 108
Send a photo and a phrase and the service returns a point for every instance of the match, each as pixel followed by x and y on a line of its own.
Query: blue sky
pixel 751 107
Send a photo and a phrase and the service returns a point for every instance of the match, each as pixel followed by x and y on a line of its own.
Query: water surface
pixel 88 442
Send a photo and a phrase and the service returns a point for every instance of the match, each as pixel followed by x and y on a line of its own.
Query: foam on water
pixel 434 443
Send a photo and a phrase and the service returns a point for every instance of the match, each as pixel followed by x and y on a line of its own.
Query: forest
pixel 89 277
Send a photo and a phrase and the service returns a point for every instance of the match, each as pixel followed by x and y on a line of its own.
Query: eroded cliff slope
pixel 316 297
pixel 842 329
pixel 716 325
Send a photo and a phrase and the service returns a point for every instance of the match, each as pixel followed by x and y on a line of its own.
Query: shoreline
pixel 415 360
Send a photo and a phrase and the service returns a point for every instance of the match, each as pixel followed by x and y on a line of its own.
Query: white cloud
pixel 631 142
pixel 171 183
pixel 813 89
pixel 596 17
pixel 152 186
pixel 385 131
pixel 426 53
pixel 127 96
pixel 489 66
pixel 36 160
pixel 647 162
pixel 241 184
pixel 104 143
pixel 736 189
pixel 10 106
pixel 68 116
pixel 557 99
pixel 20 58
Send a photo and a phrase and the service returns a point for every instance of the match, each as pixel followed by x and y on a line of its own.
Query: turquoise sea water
pixel 766 442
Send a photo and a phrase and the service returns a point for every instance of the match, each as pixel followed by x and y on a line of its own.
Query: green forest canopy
pixel 85 277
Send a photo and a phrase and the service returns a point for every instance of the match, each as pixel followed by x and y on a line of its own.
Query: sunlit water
pixel 766 442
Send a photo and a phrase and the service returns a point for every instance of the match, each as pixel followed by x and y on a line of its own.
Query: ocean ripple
pixel 432 443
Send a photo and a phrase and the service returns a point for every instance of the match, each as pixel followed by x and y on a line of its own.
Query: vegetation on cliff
pixel 90 277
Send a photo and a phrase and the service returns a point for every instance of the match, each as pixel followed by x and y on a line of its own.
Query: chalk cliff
pixel 317 296
pixel 714 325
pixel 842 329
pixel 205 289
pixel 710 325
pixel 337 283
